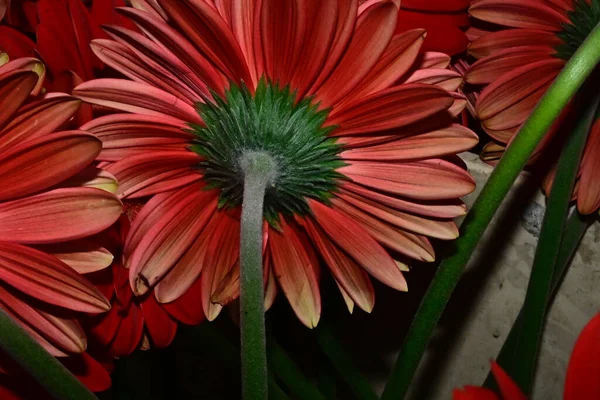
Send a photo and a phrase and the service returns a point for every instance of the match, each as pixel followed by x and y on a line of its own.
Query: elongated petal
pixel 411 245
pixel 374 30
pixel 58 216
pixel 15 86
pixel 493 42
pixel 295 274
pixel 135 174
pixel 243 24
pixel 320 30
pixel 207 30
pixel 83 255
pixel 353 280
pixel 446 209
pixel 584 364
pixel 508 387
pixel 359 245
pixel 41 163
pixel 422 180
pixel 434 59
pixel 89 371
pixel 168 240
pixel 390 108
pixel 451 140
pixel 442 78
pixel 93 177
pixel 188 267
pixel 135 97
pixel 39 118
pixel 46 278
pixel 347 11
pixel 434 228
pixel 129 333
pixel 161 328
pixel 474 393
pixel 64 332
pixel 531 14
pixel 222 255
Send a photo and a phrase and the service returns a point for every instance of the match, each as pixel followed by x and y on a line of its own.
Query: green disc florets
pixel 583 18
pixel 273 122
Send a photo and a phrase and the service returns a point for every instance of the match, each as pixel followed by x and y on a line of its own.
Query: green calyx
pixel 584 17
pixel 273 123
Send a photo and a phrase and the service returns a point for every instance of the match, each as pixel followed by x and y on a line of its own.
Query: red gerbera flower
pixel 43 218
pixel 366 160
pixel 582 373
pixel 528 46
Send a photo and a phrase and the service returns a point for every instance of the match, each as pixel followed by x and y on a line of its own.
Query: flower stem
pixel 519 358
pixel 43 367
pixel 514 160
pixel 259 170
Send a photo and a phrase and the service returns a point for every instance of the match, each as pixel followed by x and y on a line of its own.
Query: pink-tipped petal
pixel 358 244
pixel 168 240
pixel 47 279
pixel 432 179
pixel 58 216
pixel 295 274
pixel 530 14
pixel 352 279
pixel 84 255
pixel 136 97
pixel 44 162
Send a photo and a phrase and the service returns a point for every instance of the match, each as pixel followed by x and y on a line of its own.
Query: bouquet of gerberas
pixel 164 161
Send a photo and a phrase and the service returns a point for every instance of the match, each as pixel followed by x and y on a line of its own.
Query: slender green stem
pixel 521 359
pixel 343 363
pixel 289 373
pixel 259 170
pixel 573 233
pixel 514 160
pixel 43 367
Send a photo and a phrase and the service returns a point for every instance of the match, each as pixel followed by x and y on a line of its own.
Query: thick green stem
pixel 43 367
pixel 259 171
pixel 514 160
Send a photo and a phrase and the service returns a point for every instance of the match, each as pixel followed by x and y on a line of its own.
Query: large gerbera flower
pixel 529 44
pixel 365 160
pixel 43 218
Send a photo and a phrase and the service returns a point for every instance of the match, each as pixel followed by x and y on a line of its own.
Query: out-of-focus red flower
pixel 444 20
pixel 135 322
pixel 581 383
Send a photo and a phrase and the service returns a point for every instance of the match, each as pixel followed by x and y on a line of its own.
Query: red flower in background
pixel 581 383
pixel 62 30
pixel 444 20
pixel 135 322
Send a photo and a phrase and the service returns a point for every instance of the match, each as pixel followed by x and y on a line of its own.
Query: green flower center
pixel 584 17
pixel 271 121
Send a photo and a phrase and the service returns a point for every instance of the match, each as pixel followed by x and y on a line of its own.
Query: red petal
pixel 374 30
pixel 508 388
pixel 244 26
pixel 15 87
pixel 222 255
pixel 490 43
pixel 588 195
pixel 83 255
pixel 296 274
pixel 474 393
pixel 58 216
pixel 161 328
pixel 531 14
pixel 48 279
pixel 584 365
pixel 188 308
pixel 347 273
pixel 16 44
pixel 391 108
pixel 38 164
pixel 89 371
pixel 170 238
pixel 359 245
pixel 130 331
